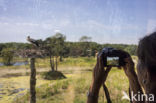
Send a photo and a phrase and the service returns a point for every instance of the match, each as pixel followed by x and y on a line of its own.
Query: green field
pixel 73 89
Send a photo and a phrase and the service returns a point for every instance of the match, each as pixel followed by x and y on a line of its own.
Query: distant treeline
pixel 73 49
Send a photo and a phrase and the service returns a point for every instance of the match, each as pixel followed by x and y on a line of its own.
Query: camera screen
pixel 112 61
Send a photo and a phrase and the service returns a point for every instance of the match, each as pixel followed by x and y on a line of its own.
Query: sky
pixel 106 21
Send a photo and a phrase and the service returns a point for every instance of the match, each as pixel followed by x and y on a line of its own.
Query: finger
pixel 119 67
pixel 124 68
pixel 106 73
pixel 129 59
pixel 101 63
pixel 126 59
pixel 107 70
pixel 99 69
pixel 129 62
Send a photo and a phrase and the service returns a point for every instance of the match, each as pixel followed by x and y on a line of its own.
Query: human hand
pixel 100 73
pixel 129 66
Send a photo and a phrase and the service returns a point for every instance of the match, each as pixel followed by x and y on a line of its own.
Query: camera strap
pixel 105 89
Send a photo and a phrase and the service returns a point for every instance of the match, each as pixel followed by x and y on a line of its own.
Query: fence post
pixel 32 81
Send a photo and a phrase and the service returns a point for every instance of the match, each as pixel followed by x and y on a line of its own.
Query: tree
pixel 55 46
pixel 85 42
pixel 59 40
pixel 85 39
pixel 48 45
pixel 1 47
pixel 132 49
pixel 7 56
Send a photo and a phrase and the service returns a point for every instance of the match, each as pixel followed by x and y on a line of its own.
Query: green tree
pixel 85 43
pixel 59 41
pixel 7 56
pixel 56 48
pixel 132 49
pixel 85 39
pixel 1 47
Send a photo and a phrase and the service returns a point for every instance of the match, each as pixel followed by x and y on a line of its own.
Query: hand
pixel 132 77
pixel 129 66
pixel 99 77
pixel 99 73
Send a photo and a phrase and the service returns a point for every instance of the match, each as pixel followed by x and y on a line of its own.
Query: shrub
pixel 52 75
pixel 7 56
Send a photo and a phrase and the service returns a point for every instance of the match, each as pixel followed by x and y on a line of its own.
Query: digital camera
pixel 114 57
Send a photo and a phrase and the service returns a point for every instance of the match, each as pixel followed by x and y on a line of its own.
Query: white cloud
pixel 57 31
pixel 47 26
pixel 19 31
pixel 26 24
pixel 100 32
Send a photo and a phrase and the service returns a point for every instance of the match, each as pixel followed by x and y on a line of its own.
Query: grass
pixel 44 63
pixel 73 89
pixel 16 86
pixel 81 62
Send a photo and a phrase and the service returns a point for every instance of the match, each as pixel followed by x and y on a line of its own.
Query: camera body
pixel 113 57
